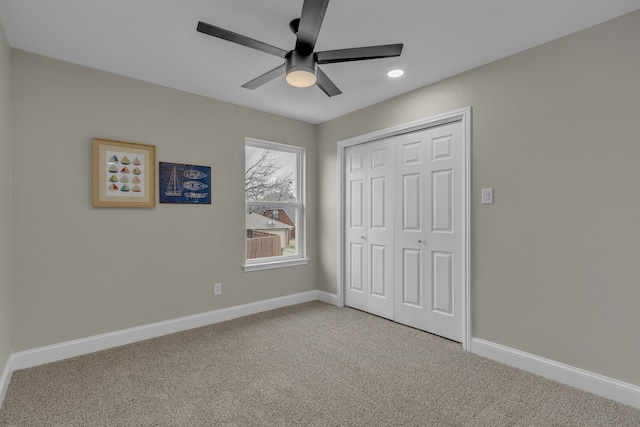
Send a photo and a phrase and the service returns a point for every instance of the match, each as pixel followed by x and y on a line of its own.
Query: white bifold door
pixel 404 235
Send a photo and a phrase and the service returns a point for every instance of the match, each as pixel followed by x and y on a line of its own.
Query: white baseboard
pixel 65 350
pixel 5 377
pixel 600 385
pixel 327 297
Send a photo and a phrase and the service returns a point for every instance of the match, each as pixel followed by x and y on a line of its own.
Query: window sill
pixel 275 264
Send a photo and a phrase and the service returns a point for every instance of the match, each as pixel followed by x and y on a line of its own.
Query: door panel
pixel 356 262
pixel 411 278
pixel 378 285
pixel 378 202
pixel 442 201
pixel 411 206
pixel 355 202
pixel 442 147
pixel 442 298
pixel 412 152
pixel 379 158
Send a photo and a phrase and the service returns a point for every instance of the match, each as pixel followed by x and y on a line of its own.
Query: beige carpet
pixel 308 365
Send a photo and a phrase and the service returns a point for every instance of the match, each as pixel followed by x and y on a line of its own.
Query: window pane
pixel 270 175
pixel 270 231
pixel 273 209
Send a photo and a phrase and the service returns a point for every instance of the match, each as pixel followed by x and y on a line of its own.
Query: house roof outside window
pixel 254 221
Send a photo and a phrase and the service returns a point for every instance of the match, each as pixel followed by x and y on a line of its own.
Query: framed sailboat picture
pixel 124 174
pixel 185 184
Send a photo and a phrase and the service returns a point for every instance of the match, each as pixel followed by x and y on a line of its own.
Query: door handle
pixel 421 242
pixel 363 238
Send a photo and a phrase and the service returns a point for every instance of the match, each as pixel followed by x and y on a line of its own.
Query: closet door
pixel 428 222
pixel 369 228
pixel 410 251
pixel 355 263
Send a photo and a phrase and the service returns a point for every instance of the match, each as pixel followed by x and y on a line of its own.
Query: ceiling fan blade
pixel 309 27
pixel 221 33
pixel 326 84
pixel 266 77
pixel 359 53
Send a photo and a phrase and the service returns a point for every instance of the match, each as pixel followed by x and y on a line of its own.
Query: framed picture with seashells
pixel 123 174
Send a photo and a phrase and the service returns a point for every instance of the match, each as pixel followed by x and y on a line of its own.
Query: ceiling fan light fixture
pixel 301 69
pixel 301 78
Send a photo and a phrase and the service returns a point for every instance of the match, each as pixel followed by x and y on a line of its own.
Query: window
pixel 274 212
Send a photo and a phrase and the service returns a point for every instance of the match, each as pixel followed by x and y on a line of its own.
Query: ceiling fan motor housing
pixel 301 69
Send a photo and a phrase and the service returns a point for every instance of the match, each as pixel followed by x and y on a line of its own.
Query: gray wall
pixel 80 271
pixel 556 259
pixel 5 203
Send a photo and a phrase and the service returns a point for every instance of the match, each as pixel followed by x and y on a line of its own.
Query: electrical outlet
pixel 217 289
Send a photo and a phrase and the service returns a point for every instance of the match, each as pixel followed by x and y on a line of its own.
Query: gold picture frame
pixel 124 174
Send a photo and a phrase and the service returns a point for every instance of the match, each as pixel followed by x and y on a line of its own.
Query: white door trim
pixel 463 115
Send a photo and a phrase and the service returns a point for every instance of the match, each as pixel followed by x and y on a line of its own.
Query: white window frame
pixel 255 264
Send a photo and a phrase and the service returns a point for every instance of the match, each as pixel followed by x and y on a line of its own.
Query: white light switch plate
pixel 487 196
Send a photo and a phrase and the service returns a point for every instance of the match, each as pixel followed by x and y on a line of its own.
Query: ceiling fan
pixel 301 63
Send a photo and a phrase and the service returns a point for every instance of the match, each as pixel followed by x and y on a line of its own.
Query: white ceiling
pixel 156 41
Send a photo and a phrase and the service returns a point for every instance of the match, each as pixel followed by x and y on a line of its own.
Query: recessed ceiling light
pixel 395 73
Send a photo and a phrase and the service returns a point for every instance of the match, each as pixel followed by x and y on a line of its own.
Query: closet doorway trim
pixel 463 115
